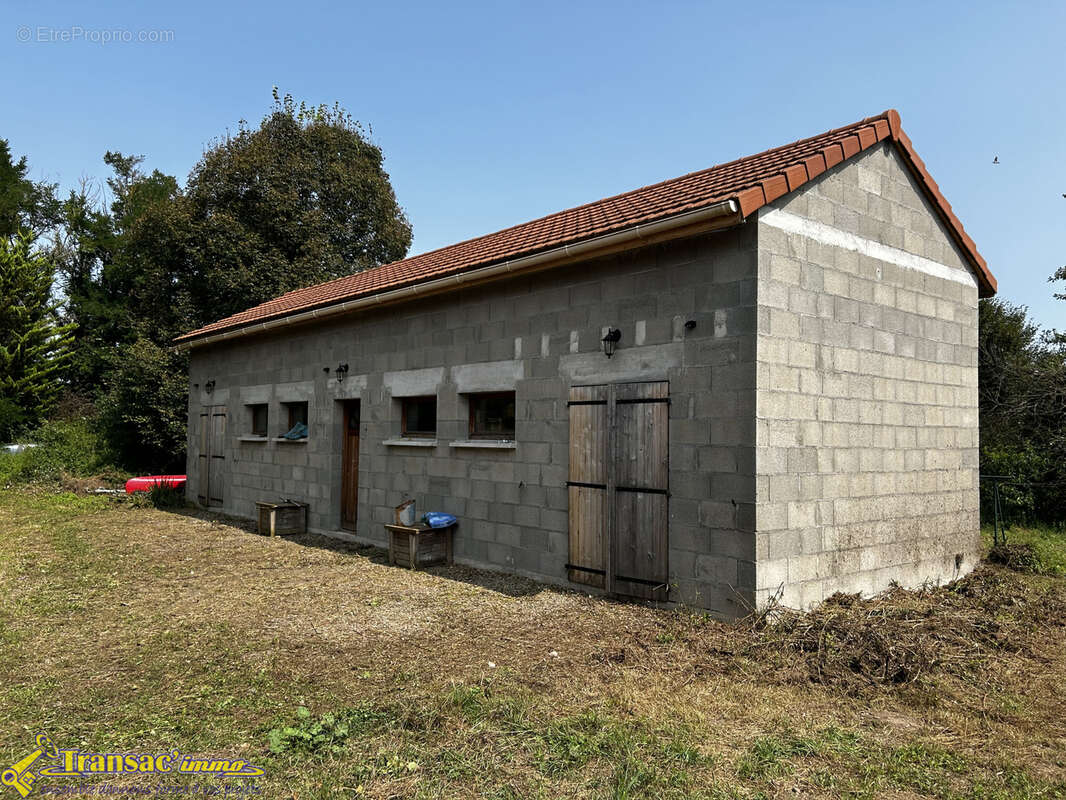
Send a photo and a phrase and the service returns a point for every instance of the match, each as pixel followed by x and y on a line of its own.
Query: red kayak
pixel 146 483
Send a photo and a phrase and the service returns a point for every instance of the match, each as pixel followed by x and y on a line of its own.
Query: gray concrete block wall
pixel 539 335
pixel 867 460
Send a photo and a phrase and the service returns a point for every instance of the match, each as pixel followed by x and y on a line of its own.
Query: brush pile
pixel 901 637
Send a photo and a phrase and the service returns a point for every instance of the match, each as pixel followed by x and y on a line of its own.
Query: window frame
pixel 253 409
pixel 471 400
pixel 290 408
pixel 408 434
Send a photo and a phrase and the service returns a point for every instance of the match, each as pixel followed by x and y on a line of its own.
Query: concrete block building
pixel 758 379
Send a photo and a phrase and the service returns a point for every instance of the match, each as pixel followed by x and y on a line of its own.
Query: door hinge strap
pixel 642 581
pixel 642 490
pixel 587 569
pixel 631 400
pixel 586 403
pixel 587 485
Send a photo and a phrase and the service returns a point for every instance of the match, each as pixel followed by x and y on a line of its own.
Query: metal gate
pixel 619 487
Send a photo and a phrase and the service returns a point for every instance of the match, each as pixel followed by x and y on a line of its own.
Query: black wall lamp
pixel 342 371
pixel 209 386
pixel 610 341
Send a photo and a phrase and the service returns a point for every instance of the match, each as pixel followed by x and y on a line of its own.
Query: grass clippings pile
pixel 903 637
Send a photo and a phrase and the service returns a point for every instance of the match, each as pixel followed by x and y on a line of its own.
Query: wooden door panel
pixel 587 483
pixel 588 536
pixel 641 465
pixel 639 563
pixel 588 434
pixel 350 467
pixel 203 459
pixel 641 460
pixel 217 468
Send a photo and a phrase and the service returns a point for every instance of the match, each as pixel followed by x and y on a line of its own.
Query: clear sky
pixel 493 114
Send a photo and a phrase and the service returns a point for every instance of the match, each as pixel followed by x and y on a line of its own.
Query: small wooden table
pixel 415 546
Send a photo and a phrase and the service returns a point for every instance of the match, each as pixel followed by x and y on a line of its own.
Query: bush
pixel 64 448
pixel 159 497
pixel 143 411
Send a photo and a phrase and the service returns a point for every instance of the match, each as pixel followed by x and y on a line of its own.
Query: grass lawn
pixel 127 629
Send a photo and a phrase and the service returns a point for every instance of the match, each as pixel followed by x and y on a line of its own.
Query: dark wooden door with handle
pixel 350 466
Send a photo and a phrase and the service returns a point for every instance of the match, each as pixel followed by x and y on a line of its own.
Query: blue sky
pixel 493 114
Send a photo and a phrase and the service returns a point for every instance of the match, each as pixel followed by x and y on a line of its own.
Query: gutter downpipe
pixel 724 209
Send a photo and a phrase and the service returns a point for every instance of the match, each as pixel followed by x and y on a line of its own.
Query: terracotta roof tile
pixel 752 182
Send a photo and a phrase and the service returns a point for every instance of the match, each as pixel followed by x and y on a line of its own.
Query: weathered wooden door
pixel 587 485
pixel 641 464
pixel 212 458
pixel 350 466
pixel 619 487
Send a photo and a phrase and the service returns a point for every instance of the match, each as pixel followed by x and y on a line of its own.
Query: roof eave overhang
pixel 716 216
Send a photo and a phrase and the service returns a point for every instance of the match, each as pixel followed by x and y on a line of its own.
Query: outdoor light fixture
pixel 209 386
pixel 610 341
pixel 342 371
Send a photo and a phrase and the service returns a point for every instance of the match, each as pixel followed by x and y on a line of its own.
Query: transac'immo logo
pixel 80 764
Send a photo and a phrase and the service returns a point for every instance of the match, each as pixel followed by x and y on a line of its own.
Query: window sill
pixel 283 440
pixel 252 439
pixel 486 444
pixel 405 442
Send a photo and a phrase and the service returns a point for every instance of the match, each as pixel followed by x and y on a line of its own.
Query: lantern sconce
pixel 342 371
pixel 209 386
pixel 610 341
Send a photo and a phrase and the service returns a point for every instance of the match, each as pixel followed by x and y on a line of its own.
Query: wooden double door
pixel 212 457
pixel 619 488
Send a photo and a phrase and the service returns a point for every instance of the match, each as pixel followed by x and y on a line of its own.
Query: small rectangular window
pixel 419 416
pixel 492 416
pixel 297 415
pixel 259 419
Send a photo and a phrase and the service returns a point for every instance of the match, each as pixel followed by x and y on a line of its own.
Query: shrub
pixel 66 447
pixel 159 497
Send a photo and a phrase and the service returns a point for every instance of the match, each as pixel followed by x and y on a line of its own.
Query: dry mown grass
pixel 139 629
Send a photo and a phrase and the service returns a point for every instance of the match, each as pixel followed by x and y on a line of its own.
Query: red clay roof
pixel 752 182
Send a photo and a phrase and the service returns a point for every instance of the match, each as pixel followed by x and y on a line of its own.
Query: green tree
pixel 1022 392
pixel 303 198
pixel 24 205
pixel 34 344
pixel 143 409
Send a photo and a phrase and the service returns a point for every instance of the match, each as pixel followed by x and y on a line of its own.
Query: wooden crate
pixel 281 519
pixel 417 546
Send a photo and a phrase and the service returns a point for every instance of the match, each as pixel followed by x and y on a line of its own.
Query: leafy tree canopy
pixel 1022 392
pixel 24 205
pixel 301 199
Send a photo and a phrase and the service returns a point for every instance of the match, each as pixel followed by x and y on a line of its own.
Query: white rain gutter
pixel 719 210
